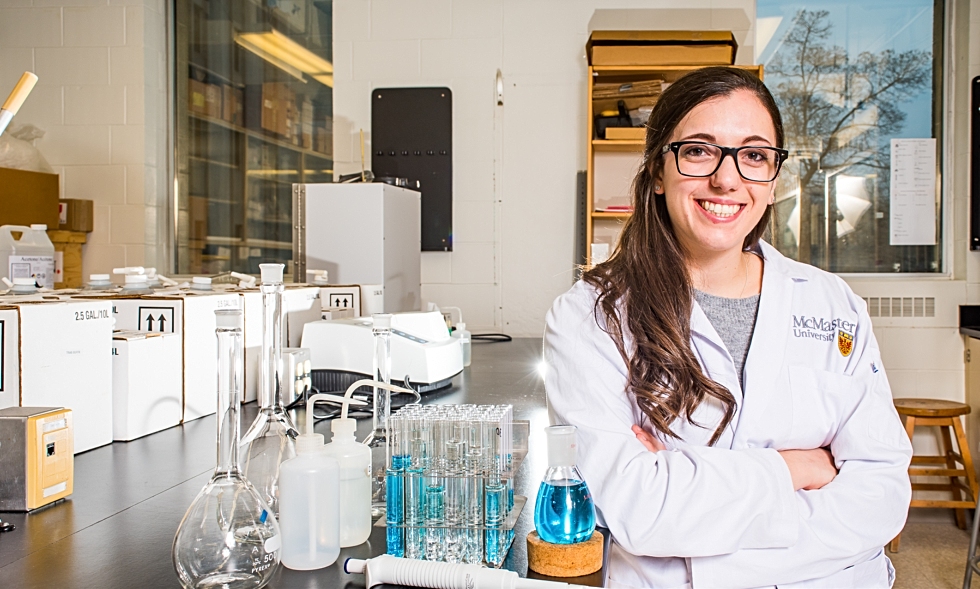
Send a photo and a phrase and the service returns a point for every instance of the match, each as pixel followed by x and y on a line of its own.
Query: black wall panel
pixel 412 137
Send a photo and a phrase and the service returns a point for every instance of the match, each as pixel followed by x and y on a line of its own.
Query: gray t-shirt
pixel 734 320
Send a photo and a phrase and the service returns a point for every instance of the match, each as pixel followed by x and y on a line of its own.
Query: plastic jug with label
pixel 29 255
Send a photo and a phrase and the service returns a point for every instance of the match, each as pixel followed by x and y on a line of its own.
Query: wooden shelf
pixel 618 144
pixel 611 215
pixel 600 150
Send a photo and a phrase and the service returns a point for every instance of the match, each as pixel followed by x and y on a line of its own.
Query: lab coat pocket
pixel 819 400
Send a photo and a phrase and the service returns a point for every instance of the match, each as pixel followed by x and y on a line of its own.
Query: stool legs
pixel 966 458
pixel 953 481
pixel 954 464
pixel 909 429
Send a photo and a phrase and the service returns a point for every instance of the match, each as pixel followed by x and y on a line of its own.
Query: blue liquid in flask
pixel 564 512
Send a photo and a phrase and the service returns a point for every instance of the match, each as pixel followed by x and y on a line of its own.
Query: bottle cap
pixel 308 443
pixel 200 280
pixel 271 273
pixel 561 445
pixel 39 227
pixel 323 397
pixel 228 318
pixel 136 279
pixel 345 426
pixel 382 320
pixel 98 277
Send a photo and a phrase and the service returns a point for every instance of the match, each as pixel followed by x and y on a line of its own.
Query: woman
pixel 736 428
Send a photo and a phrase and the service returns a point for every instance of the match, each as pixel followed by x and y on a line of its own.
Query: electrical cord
pixel 490 338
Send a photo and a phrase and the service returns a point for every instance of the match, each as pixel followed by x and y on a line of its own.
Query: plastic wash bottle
pixel 309 501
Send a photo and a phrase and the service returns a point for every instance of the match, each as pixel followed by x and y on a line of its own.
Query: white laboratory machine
pixel 342 351
pixel 361 234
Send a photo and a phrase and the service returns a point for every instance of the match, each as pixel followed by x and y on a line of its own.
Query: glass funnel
pixel 271 439
pixel 564 512
pixel 228 538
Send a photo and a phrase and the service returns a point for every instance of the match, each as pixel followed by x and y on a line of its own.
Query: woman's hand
pixel 810 469
pixel 649 442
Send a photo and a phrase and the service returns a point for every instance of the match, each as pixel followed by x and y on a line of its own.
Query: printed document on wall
pixel 913 192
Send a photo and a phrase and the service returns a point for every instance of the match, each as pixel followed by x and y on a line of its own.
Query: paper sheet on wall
pixel 913 192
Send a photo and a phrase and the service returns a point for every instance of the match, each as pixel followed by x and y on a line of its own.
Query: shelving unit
pixel 248 126
pixel 612 163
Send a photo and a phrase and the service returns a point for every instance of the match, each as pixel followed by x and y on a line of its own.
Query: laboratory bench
pixel 116 529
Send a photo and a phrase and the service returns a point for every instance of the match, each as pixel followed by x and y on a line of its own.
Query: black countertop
pixel 116 530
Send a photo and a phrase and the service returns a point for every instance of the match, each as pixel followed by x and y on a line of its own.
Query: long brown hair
pixel 645 289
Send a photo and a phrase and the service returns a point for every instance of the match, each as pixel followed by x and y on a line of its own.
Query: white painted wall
pixel 101 97
pixel 514 167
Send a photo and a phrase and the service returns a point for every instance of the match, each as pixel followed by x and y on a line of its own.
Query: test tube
pixel 395 486
pixel 456 482
pixel 494 515
pixel 415 490
pixel 435 517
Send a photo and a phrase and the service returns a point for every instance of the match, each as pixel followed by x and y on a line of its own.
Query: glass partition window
pixel 859 88
pixel 254 106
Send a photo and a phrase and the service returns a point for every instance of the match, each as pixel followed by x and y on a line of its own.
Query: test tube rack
pixel 451 482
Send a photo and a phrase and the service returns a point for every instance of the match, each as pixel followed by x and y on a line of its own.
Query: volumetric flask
pixel 229 538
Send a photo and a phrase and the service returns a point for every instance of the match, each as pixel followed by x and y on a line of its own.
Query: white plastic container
pixel 465 342
pixel 355 482
pixel 30 256
pixel 309 503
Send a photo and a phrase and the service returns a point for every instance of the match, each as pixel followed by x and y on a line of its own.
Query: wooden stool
pixel 944 415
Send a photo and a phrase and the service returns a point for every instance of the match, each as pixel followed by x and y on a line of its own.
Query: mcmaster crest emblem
pixel 845 342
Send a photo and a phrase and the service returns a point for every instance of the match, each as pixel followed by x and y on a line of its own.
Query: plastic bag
pixel 18 153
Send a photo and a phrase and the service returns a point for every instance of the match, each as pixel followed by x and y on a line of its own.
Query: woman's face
pixel 714 214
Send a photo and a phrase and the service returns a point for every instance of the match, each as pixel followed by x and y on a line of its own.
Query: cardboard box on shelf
pixel 232 104
pixel 198 218
pixel 72 369
pixel 630 133
pixel 197 97
pixel 67 257
pixel 212 100
pixel 75 214
pixel 641 48
pixel 306 123
pixel 147 390
pixel 27 198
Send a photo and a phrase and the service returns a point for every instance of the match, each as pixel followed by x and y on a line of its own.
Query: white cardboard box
pixel 59 354
pixel 192 316
pixel 344 296
pixel 147 387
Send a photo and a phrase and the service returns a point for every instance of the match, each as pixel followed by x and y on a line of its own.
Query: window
pixel 857 83
pixel 253 97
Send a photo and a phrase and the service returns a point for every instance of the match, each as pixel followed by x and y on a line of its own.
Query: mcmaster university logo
pixel 826 330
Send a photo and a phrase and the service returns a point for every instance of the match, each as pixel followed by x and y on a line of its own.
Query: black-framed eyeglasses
pixel 755 163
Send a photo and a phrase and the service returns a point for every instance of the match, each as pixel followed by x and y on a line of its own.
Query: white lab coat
pixel 726 515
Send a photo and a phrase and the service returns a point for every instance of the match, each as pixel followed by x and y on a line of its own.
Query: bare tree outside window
pixel 840 111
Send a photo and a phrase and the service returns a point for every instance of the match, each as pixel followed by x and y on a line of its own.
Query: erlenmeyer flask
pixel 271 439
pixel 228 538
pixel 564 512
